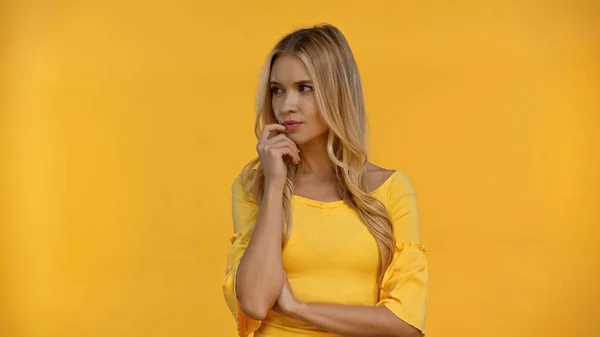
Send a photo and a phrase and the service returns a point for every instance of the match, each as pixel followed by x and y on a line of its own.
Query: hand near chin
pixel 272 149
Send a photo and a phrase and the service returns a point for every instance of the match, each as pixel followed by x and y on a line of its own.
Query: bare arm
pixel 355 320
pixel 260 274
pixel 347 320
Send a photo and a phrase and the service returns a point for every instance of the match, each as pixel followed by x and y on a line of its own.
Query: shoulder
pixel 377 176
pixel 400 200
pixel 400 184
pixel 393 182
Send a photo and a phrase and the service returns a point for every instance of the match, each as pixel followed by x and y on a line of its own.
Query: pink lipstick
pixel 291 124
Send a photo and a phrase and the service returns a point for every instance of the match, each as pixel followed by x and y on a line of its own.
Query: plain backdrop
pixel 123 125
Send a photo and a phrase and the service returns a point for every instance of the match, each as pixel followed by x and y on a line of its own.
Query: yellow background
pixel 123 124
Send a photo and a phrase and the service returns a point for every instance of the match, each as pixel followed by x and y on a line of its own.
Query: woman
pixel 326 243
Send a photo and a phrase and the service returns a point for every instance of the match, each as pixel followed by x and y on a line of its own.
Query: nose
pixel 290 102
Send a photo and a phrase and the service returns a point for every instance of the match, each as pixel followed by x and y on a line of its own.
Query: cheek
pixel 275 107
pixel 316 117
pixel 310 109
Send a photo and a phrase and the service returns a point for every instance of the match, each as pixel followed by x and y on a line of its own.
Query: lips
pixel 291 125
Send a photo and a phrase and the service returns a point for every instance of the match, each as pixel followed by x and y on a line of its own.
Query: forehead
pixel 289 68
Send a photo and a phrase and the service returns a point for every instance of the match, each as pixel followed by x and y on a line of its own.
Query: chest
pixel 329 238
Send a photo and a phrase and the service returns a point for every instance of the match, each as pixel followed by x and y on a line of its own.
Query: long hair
pixel 338 92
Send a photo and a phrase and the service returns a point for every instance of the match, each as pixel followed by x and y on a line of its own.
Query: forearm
pixel 351 320
pixel 260 273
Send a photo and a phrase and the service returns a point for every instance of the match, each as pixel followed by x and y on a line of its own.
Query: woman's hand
pixel 287 303
pixel 271 151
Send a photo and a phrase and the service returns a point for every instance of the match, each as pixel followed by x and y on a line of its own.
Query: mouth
pixel 291 125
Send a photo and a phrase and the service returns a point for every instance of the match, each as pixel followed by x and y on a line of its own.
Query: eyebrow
pixel 295 83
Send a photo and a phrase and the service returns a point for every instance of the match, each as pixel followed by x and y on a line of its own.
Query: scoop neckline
pixel 336 203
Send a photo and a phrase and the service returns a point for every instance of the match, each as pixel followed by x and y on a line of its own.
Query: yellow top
pixel 332 257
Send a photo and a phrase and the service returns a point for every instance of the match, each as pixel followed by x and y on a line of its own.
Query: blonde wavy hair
pixel 338 91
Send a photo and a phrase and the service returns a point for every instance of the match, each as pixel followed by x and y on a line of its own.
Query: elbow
pixel 256 303
pixel 253 305
pixel 410 332
pixel 254 309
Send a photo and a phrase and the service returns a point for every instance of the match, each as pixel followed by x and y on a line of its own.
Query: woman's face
pixel 293 100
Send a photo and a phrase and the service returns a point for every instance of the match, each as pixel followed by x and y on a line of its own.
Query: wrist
pixel 274 187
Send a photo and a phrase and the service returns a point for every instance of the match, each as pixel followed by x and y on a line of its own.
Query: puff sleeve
pixel 406 279
pixel 244 214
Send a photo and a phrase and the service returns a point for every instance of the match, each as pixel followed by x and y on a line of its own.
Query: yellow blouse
pixel 332 257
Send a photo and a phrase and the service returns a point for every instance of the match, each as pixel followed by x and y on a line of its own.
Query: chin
pixel 297 140
pixel 302 140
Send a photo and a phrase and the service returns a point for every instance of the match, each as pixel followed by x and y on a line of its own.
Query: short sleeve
pixel 406 279
pixel 244 210
pixel 244 214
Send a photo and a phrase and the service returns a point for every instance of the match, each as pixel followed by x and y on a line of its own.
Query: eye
pixel 305 88
pixel 276 90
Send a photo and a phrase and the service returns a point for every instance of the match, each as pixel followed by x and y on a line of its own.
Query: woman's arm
pixel 347 320
pixel 355 320
pixel 259 279
pixel 260 274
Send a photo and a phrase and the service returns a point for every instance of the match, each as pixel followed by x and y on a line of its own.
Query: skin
pixel 261 280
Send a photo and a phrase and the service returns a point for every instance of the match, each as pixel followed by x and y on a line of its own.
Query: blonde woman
pixel 325 243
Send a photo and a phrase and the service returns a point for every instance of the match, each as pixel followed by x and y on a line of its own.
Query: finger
pixel 264 144
pixel 277 138
pixel 264 135
pixel 282 138
pixel 286 149
pixel 289 145
pixel 295 155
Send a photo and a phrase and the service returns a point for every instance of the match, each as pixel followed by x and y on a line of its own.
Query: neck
pixel 315 159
